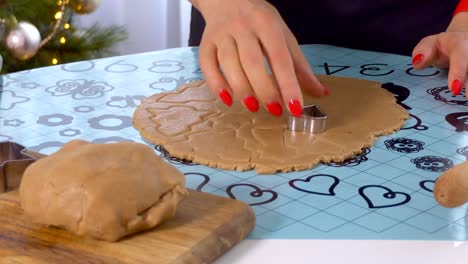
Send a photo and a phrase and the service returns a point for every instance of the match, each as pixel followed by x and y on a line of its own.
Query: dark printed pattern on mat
pixel 385 192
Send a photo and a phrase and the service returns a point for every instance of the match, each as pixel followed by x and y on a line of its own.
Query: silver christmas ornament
pixel 84 6
pixel 23 41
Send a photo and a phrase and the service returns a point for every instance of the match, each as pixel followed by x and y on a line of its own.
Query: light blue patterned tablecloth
pixel 385 193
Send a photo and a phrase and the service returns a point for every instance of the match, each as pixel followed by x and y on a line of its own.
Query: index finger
pixel 457 70
pixel 275 48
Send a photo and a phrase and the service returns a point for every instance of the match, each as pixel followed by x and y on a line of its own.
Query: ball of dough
pixel 104 191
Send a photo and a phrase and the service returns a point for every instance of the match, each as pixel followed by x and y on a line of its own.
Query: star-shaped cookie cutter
pixel 312 120
pixel 14 159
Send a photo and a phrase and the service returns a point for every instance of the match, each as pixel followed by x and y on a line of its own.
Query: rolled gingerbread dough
pixel 104 191
pixel 191 123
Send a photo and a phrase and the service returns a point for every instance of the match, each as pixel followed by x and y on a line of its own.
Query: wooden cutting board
pixel 204 228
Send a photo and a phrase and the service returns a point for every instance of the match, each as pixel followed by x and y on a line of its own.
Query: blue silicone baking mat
pixel 383 193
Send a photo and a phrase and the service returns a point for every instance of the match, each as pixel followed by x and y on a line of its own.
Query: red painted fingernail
pixel 225 97
pixel 251 103
pixel 275 108
pixel 295 107
pixel 456 87
pixel 326 91
pixel 418 58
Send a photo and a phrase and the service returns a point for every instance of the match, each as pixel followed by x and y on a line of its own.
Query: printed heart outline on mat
pixel 390 194
pixel 423 186
pixel 331 189
pixel 257 193
pixel 205 181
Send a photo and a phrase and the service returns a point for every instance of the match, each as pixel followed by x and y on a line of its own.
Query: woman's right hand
pixel 239 35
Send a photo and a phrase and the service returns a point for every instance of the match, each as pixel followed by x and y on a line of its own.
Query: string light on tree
pixel 58 15
pixel 85 6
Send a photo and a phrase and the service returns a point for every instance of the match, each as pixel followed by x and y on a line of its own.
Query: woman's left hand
pixel 447 50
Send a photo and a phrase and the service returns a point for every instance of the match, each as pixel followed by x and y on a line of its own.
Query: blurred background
pixel 151 24
pixel 38 33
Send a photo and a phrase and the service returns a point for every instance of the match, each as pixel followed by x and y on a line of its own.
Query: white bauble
pixel 23 41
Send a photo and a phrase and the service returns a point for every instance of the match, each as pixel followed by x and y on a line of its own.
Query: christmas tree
pixel 37 33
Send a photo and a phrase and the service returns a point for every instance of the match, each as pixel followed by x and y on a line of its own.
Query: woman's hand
pixel 239 35
pixel 447 50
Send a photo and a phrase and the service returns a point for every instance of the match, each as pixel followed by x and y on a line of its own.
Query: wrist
pixel 459 23
pixel 206 7
pixel 222 9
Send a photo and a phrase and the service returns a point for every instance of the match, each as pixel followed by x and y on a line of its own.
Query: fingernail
pixel 326 91
pixel 456 87
pixel 225 97
pixel 295 107
pixel 418 58
pixel 251 103
pixel 275 108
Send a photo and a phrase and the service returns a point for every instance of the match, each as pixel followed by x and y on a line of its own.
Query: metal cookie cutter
pixel 313 120
pixel 14 159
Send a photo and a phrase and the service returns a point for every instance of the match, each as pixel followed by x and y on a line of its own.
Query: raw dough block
pixel 104 191
pixel 191 123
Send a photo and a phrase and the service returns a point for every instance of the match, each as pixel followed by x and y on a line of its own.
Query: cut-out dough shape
pixel 210 133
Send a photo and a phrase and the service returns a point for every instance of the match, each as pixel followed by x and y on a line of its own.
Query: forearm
pixel 204 5
pixel 217 8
